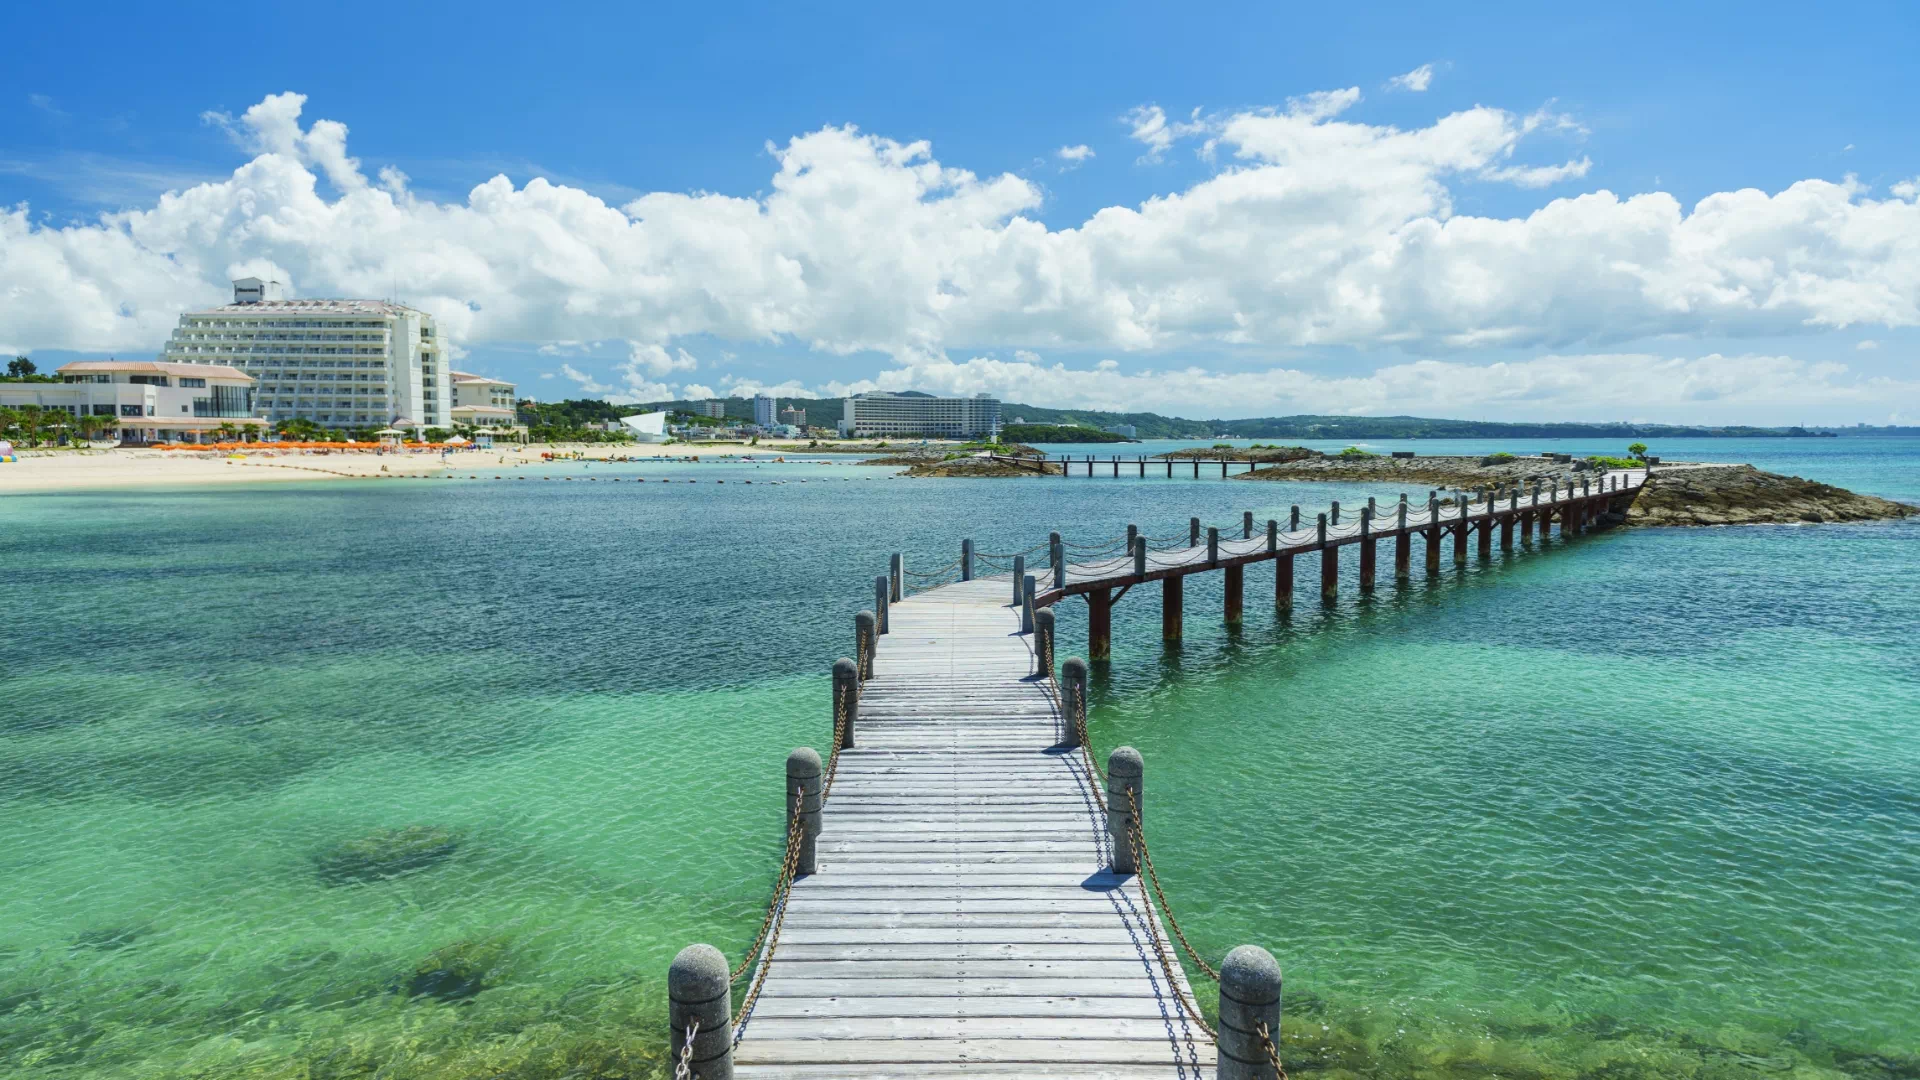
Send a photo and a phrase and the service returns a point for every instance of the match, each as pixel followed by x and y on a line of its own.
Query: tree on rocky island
pixel 1638 450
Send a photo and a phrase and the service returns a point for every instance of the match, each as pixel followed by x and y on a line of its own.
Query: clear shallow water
pixel 1643 804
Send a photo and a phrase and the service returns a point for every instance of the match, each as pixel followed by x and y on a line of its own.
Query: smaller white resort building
pixel 150 400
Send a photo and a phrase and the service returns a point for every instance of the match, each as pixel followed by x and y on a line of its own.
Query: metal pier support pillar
pixel 1236 593
pixel 1402 544
pixel 803 786
pixel 1249 1014
pixel 1100 624
pixel 1486 532
pixel 1124 778
pixel 1329 566
pixel 1367 553
pixel 1506 532
pixel 700 1000
pixel 1433 533
pixel 1171 590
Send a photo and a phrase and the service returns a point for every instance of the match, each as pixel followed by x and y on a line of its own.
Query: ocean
pixel 1646 803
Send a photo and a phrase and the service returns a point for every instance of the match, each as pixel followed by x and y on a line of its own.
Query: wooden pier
pixel 963 889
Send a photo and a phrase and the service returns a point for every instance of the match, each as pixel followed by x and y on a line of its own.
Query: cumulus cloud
pixel 1150 128
pixel 1075 155
pixel 1538 176
pixel 1868 345
pixel 1315 230
pixel 1416 80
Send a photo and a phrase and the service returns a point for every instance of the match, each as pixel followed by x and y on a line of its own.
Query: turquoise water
pixel 1642 804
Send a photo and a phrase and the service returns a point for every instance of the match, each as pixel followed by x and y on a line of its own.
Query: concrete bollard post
pixel 803 786
pixel 1334 518
pixel 1057 559
pixel 1019 575
pixel 1133 532
pixel 1294 525
pixel 1193 532
pixel 1249 1001
pixel 1273 535
pixel 1140 556
pixel 896 579
pixel 880 604
pixel 966 560
pixel 1124 770
pixel 700 1000
pixel 846 698
pixel 1043 640
pixel 1213 545
pixel 1026 584
pixel 1073 698
pixel 864 641
pixel 1246 525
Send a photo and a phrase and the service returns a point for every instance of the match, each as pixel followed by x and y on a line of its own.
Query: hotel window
pixel 130 410
pixel 195 383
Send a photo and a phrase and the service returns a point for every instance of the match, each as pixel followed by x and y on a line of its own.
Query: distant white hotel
pixel 338 363
pixel 481 402
pixel 922 414
pixel 151 401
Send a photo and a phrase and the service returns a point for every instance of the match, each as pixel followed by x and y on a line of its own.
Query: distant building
pixel 792 417
pixel 715 408
pixel 338 363
pixel 482 402
pixel 647 427
pixel 153 401
pixel 763 410
pixel 922 414
pixel 1125 430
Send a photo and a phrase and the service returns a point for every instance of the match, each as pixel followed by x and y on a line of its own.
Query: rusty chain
pixel 1145 859
pixel 1273 1053
pixel 776 916
pixel 1153 928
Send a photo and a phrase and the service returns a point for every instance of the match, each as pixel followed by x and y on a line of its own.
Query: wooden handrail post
pixel 1139 550
pixel 1043 640
pixel 966 560
pixel 864 640
pixel 1213 545
pixel 803 785
pixel 846 697
pixel 880 604
pixel 700 999
pixel 1057 559
pixel 1073 698
pixel 1124 777
pixel 1193 532
pixel 897 578
pixel 1246 525
pixel 1249 1001
pixel 1019 575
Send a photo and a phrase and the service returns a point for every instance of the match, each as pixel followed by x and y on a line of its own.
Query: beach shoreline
pixel 127 468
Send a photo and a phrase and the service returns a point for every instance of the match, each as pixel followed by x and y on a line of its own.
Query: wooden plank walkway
pixel 963 920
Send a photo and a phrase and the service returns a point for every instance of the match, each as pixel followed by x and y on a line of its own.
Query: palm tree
pixel 228 431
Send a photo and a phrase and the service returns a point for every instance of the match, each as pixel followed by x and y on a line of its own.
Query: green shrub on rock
pixel 385 853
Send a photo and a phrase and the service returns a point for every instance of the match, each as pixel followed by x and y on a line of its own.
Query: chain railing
pixel 683 1069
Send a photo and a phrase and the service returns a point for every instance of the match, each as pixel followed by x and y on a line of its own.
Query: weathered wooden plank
pixel 1027 1051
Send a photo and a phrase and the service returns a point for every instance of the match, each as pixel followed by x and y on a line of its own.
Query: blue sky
pixel 104 110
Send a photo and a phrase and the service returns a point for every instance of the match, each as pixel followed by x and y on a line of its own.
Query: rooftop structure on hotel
pixel 151 401
pixel 338 363
pixel 891 415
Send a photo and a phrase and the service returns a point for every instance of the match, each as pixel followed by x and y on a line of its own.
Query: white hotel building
pixel 932 417
pixel 338 363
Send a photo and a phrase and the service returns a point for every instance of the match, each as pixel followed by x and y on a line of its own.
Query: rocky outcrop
pixel 1437 471
pixel 986 468
pixel 1744 495
pixel 1236 453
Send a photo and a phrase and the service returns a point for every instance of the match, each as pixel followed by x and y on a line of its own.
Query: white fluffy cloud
pixel 1074 155
pixel 1416 80
pixel 1314 230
